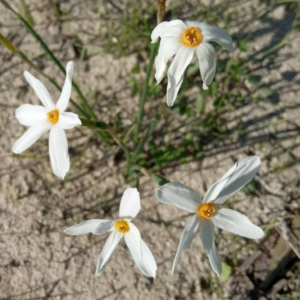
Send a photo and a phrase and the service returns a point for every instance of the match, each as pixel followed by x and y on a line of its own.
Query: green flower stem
pixel 147 135
pixel 151 128
pixel 161 10
pixel 140 116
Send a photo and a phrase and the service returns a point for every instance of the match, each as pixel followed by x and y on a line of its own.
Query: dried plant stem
pixel 161 10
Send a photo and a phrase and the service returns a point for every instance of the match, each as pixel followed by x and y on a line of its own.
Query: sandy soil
pixel 38 261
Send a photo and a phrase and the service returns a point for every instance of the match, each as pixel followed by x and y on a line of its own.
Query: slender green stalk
pixel 150 130
pixel 161 10
pixel 153 51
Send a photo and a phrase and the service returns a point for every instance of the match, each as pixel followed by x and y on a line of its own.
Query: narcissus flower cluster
pixel 181 40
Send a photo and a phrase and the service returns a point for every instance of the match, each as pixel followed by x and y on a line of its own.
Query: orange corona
pixel 122 226
pixel 206 210
pixel 191 37
pixel 53 116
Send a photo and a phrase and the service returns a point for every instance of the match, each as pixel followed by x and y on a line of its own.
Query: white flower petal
pixel 168 47
pixel 133 241
pixel 215 34
pixel 207 63
pixel 207 234
pixel 30 136
pixel 147 262
pixel 130 203
pixel 40 90
pixel 233 180
pixel 187 237
pixel 28 114
pixel 68 120
pixel 215 260
pixel 85 227
pixel 103 227
pixel 65 95
pixel 176 71
pixel 160 66
pixel 59 152
pixel 164 29
pixel 107 250
pixel 237 223
pixel 179 195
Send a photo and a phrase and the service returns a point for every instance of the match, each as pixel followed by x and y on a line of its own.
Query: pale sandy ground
pixel 38 261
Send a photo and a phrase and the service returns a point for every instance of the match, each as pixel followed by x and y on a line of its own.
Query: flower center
pixel 53 116
pixel 206 210
pixel 191 37
pixel 122 226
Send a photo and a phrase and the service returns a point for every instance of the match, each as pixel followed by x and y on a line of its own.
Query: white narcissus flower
pixel 183 39
pixel 208 213
pixel 51 117
pixel 129 207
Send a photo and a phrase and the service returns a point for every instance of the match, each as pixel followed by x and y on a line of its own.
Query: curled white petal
pixel 130 203
pixel 173 28
pixel 85 227
pixel 233 180
pixel 168 47
pixel 176 71
pixel 215 34
pixel 237 223
pixel 187 237
pixel 207 63
pixel 171 96
pixel 207 234
pixel 107 250
pixel 29 115
pixel 146 263
pixel 68 120
pixel 133 241
pixel 59 152
pixel 30 137
pixel 179 195
pixel 215 260
pixel 40 90
pixel 64 98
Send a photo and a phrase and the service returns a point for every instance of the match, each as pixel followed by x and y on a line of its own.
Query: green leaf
pixel 6 43
pixel 200 103
pixel 133 84
pixel 159 179
pixel 242 45
pixel 136 69
pixel 26 13
pixel 94 124
pixel 226 272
